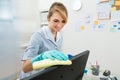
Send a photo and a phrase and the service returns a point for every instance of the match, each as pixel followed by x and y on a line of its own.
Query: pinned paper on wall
pixel 113 8
pixel 115 15
pixel 118 28
pixel 82 27
pixel 103 15
pixel 103 7
pixel 103 11
pixel 84 22
pixel 112 29
pixel 115 27
pixel 96 22
pixel 117 3
pixel 111 2
pixel 99 27
pixel 87 18
pixel 103 0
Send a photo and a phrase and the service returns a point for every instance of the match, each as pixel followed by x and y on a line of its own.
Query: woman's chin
pixel 57 30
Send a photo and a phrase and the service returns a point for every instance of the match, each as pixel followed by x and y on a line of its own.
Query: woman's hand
pixel 52 54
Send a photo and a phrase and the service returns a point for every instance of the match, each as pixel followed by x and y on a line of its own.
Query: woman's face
pixel 56 22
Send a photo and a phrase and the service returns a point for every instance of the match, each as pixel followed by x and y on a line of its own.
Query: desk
pixel 92 77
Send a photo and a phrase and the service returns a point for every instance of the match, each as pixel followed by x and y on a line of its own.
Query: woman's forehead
pixel 57 15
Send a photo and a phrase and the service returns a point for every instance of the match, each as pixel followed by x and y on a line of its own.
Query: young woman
pixel 46 43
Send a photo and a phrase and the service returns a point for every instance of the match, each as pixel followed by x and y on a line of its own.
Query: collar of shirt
pixel 48 35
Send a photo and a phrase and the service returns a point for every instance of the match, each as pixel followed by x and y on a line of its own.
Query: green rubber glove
pixel 53 54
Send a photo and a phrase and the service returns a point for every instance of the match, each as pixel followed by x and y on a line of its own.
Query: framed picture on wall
pixel 43 18
pixel 103 15
pixel 103 11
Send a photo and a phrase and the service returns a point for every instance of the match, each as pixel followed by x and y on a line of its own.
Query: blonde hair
pixel 59 7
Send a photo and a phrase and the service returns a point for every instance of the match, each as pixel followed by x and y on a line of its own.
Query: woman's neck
pixel 54 33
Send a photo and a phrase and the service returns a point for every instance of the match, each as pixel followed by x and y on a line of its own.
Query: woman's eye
pixel 63 21
pixel 56 20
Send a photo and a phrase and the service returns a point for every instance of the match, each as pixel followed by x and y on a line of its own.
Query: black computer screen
pixel 64 72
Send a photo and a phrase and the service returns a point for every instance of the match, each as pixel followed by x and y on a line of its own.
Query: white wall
pixel 25 21
pixel 103 45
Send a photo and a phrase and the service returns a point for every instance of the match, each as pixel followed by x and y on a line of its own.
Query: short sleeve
pixel 33 47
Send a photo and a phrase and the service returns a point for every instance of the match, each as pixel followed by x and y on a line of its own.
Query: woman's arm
pixel 27 66
pixel 32 50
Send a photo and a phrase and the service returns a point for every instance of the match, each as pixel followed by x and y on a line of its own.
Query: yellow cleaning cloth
pixel 48 62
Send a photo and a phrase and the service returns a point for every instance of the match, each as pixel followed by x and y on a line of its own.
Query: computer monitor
pixel 64 72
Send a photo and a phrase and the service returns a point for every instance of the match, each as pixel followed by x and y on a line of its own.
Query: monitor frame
pixel 64 72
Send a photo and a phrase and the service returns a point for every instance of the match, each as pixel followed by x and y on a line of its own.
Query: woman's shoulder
pixel 39 32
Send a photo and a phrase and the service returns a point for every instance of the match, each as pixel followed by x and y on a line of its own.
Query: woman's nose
pixel 60 24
